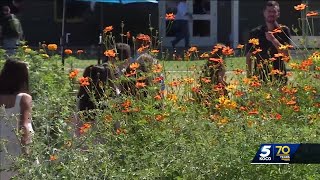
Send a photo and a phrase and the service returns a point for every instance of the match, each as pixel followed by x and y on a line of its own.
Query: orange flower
pixel 110 53
pixel 291 102
pixel 159 117
pixel 134 66
pixel 285 59
pixel 218 60
pixel 256 51
pixel 278 55
pixel 195 89
pixel 140 85
pixel 215 50
pixel 126 104
pixel 242 108
pixel 80 51
pixel 312 13
pixel 142 78
pixel 253 112
pixel 68 51
pixel 84 81
pixel 107 29
pixel 52 47
pixel 254 41
pixel 275 71
pixel 278 116
pixel 73 73
pixel 238 71
pixel 170 16
pixel 206 80
pixel 119 131
pixel 218 87
pixel 131 73
pixel 142 48
pixel 193 49
pixel 239 93
pixel 240 46
pixel 277 30
pixel 143 37
pixel 255 84
pixel 84 128
pixel 53 157
pixel 300 7
pixel 157 79
pixel 218 46
pixel 157 68
pixel 227 51
pixel 155 51
pixel 174 83
pixel 204 55
pixel 296 108
pixel 157 97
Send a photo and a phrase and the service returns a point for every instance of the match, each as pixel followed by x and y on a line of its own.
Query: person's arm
pixel 26 108
pixel 276 43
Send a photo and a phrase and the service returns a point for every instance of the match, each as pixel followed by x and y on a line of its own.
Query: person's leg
pixel 10 45
pixel 186 35
pixel 179 33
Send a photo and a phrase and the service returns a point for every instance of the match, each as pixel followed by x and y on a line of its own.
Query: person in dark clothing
pixel 182 25
pixel 11 30
pixel 267 47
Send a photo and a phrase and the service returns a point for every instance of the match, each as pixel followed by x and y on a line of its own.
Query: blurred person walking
pixel 181 26
pixel 11 30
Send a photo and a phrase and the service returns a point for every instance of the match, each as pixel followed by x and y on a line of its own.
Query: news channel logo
pixel 275 153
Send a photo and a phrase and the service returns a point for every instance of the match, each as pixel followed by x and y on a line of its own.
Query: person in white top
pixel 15 114
pixel 181 25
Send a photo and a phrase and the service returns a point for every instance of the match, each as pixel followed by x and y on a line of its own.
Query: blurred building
pixel 224 21
pixel 42 20
pixel 229 22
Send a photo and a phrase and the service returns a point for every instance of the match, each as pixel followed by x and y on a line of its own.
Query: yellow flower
pixel 172 97
pixel 254 41
pixel 188 80
pixel 268 96
pixel 223 121
pixel 204 55
pixel 45 56
pixel 231 87
pixel 232 105
pixel 134 66
pixel 28 50
pixel 283 47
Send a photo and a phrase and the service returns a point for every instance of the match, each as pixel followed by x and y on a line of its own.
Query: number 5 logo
pixel 265 151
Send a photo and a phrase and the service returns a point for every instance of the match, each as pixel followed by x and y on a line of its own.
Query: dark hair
pixel 99 75
pixel 5 8
pixel 271 4
pixel 14 77
pixel 123 50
